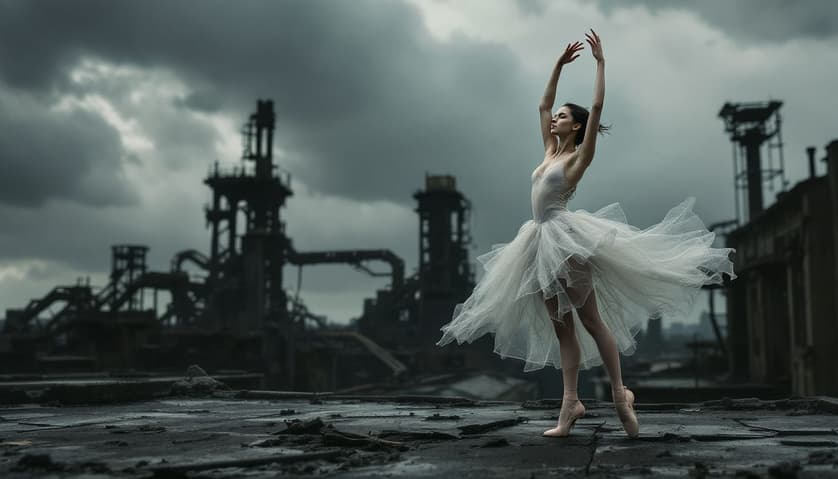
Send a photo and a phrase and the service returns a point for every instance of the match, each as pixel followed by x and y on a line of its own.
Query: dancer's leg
pixel 572 409
pixel 604 338
pixel 568 348
pixel 591 320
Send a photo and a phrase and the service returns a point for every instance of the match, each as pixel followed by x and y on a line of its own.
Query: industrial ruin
pixel 783 324
pixel 238 315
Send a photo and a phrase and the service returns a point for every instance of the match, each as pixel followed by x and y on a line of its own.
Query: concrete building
pixel 782 311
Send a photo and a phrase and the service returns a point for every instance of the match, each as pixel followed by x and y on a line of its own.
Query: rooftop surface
pixel 265 434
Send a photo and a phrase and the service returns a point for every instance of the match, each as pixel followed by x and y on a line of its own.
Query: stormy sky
pixel 111 114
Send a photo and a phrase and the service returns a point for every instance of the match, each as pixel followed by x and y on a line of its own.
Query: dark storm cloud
pixel 754 20
pixel 367 101
pixel 532 7
pixel 59 155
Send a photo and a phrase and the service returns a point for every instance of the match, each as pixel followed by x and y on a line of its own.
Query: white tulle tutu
pixel 635 273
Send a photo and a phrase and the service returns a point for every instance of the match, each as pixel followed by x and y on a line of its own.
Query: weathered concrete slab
pixel 226 436
pixel 87 390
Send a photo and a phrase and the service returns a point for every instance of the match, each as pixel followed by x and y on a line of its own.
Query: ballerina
pixel 573 288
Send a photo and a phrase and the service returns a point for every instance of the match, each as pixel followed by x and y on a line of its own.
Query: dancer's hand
pixel 570 53
pixel 596 45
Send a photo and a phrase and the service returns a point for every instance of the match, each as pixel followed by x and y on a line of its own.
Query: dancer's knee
pixel 563 325
pixel 591 322
pixel 589 314
pixel 552 305
pixel 564 328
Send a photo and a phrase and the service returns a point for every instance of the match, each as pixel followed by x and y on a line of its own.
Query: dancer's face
pixel 563 123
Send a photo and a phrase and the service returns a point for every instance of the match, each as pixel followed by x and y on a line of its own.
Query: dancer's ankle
pixel 570 396
pixel 618 393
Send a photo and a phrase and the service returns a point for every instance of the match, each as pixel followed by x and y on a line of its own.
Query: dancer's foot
pixel 572 409
pixel 624 402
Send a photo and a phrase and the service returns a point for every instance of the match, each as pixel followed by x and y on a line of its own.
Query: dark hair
pixel 580 115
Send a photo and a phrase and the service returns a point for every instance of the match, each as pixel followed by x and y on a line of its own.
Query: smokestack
pixel 832 157
pixel 811 152
pixel 832 178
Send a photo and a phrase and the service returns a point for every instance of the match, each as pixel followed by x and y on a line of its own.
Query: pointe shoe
pixel 625 411
pixel 572 409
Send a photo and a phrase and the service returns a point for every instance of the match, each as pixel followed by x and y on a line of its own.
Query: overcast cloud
pixel 111 113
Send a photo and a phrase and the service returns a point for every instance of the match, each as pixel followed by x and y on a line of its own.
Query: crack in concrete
pixel 593 445
pixel 50 427
pixel 785 432
pixel 491 426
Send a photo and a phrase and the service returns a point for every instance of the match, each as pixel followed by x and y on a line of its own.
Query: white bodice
pixel 550 191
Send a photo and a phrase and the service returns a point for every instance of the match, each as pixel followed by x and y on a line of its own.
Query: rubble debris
pixel 438 417
pixel 197 382
pixel 359 441
pixel 270 442
pixel 209 437
pixel 330 436
pixel 826 404
pixel 297 426
pixel 491 426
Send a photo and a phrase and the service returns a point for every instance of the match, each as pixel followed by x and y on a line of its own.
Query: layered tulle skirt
pixel 635 274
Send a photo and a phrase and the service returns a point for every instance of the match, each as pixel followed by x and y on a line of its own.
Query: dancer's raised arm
pixel 546 106
pixel 588 146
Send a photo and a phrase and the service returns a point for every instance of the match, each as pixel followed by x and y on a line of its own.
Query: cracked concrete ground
pixel 265 434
